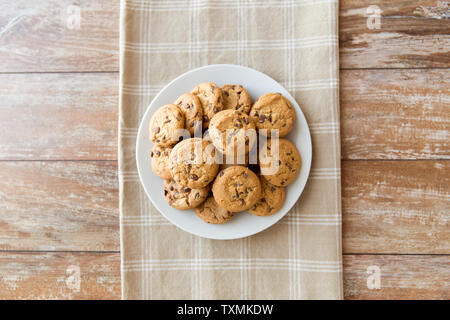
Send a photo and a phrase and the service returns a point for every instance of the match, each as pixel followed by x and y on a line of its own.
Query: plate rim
pixel 147 110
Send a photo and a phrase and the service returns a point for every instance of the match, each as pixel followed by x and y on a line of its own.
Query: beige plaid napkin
pixel 296 43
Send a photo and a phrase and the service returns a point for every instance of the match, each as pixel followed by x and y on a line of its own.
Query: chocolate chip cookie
pixel 272 111
pixel 210 96
pixel 236 188
pixel 235 97
pixel 271 201
pixel 210 212
pixel 232 131
pixel 184 198
pixel 282 167
pixel 193 163
pixel 192 108
pixel 165 125
pixel 160 161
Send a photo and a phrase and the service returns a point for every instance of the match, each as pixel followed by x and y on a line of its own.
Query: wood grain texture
pixel 58 116
pixel 62 205
pixel 412 34
pixel 388 206
pixel 43 275
pixel 402 277
pixel 396 206
pixel 38 37
pixel 395 114
pixel 46 275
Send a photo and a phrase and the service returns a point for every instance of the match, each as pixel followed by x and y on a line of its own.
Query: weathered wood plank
pixel 412 34
pixel 44 36
pixel 42 275
pixel 402 277
pixel 396 206
pixel 59 206
pixel 388 206
pixel 58 116
pixel 53 275
pixel 395 114
pixel 37 38
pixel 385 114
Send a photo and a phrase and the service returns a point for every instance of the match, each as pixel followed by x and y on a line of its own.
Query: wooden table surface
pixel 58 149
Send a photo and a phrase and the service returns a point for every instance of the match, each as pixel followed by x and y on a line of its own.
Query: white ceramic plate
pixel 242 224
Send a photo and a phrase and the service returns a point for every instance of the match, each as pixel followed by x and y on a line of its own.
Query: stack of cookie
pixel 237 152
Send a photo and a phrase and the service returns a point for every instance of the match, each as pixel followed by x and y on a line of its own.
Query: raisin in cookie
pixel 165 125
pixel 192 108
pixel 210 96
pixel 272 199
pixel 272 111
pixel 232 131
pixel 210 212
pixel 282 167
pixel 236 97
pixel 160 161
pixel 236 188
pixel 193 163
pixel 183 198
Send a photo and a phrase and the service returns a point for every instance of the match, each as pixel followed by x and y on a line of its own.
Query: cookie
pixel 282 167
pixel 183 198
pixel 232 131
pixel 210 96
pixel 271 201
pixel 236 97
pixel 236 188
pixel 192 108
pixel 165 125
pixel 272 111
pixel 192 163
pixel 160 161
pixel 210 212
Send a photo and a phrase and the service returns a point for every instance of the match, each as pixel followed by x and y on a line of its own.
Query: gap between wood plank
pixel 395 68
pixel 388 160
pixel 59 72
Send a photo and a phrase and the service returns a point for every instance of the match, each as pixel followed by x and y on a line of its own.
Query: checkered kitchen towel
pixel 296 43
